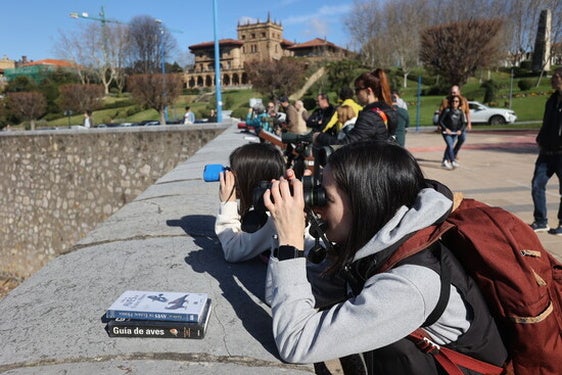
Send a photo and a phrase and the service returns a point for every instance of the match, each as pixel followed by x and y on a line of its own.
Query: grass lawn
pixel 528 105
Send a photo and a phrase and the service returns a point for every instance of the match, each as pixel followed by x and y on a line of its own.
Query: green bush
pixel 240 113
pixel 524 84
pixel 491 88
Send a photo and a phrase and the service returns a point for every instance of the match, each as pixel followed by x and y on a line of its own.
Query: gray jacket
pixel 390 306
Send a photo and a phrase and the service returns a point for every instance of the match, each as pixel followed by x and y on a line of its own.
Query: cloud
pixel 245 19
pixel 329 13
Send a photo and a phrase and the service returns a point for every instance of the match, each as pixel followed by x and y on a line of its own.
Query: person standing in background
pixel 291 121
pixel 398 100
pixel 302 117
pixel 377 120
pixel 549 161
pixel 88 121
pixel 322 114
pixel 188 117
pixel 346 98
pixel 212 116
pixel 403 119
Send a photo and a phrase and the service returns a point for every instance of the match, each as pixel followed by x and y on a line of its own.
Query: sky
pixel 32 28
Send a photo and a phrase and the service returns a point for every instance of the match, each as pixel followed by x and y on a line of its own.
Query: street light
pixel 217 65
pixel 162 64
pixel 103 21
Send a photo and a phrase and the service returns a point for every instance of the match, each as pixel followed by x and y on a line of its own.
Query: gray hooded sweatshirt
pixel 390 306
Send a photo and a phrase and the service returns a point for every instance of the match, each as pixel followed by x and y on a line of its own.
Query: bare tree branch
pixel 458 49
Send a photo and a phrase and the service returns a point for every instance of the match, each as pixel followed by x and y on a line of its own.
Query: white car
pixel 479 113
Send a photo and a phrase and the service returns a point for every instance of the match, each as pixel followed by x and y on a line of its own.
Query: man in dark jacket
pixel 549 161
pixel 321 115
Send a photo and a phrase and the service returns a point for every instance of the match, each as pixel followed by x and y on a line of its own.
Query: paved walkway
pixel 496 168
pixel 164 240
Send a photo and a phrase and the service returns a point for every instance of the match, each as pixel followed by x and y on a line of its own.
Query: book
pixel 168 306
pixel 160 329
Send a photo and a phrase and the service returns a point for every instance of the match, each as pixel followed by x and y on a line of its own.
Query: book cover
pixel 169 306
pixel 158 328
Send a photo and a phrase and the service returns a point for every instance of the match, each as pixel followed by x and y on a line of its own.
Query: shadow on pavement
pixel 237 281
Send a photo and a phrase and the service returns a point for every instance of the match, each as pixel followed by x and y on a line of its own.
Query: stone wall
pixel 55 186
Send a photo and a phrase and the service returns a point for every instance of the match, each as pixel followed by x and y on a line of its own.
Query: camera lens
pixel 314 194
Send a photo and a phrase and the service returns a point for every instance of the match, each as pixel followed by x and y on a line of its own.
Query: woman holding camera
pixel 368 215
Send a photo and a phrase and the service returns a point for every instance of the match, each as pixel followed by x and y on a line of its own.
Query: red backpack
pixel 520 280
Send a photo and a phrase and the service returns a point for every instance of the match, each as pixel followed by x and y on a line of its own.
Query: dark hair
pixel 324 96
pixel 252 163
pixel 378 82
pixel 346 93
pixel 378 177
pixel 452 98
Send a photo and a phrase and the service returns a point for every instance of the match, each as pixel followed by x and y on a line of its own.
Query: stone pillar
pixel 541 54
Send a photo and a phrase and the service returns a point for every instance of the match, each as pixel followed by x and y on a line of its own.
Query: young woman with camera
pixel 368 215
pixel 249 164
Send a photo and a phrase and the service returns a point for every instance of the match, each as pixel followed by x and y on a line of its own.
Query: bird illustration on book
pixel 177 303
pixel 158 298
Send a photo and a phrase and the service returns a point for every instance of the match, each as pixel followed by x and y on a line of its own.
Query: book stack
pixel 159 314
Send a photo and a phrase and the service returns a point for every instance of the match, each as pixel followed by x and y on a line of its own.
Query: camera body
pixel 211 172
pixel 314 193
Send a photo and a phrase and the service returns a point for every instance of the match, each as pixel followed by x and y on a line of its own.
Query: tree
pixel 342 73
pixel 457 50
pixel 26 106
pixel 98 51
pixel 277 77
pixel 79 98
pixel 148 44
pixel 156 91
pixel 21 84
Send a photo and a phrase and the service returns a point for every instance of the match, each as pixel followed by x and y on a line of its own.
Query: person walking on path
pixel 452 123
pixel 455 90
pixel 549 161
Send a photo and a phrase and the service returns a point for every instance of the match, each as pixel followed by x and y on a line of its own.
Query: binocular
pixel 211 172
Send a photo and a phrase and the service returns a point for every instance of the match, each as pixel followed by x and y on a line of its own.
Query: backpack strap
pixel 445 292
pixel 449 359
pixel 382 115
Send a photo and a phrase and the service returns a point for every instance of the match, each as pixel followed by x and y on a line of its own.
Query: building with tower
pixel 255 41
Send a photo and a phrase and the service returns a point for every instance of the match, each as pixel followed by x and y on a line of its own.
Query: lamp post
pixel 162 64
pixel 510 87
pixel 103 20
pixel 217 65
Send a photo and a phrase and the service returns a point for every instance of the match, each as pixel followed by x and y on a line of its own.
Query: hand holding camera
pixel 285 201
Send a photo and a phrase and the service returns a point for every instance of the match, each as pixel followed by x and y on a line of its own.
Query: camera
pixel 211 172
pixel 314 193
pixel 287 137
